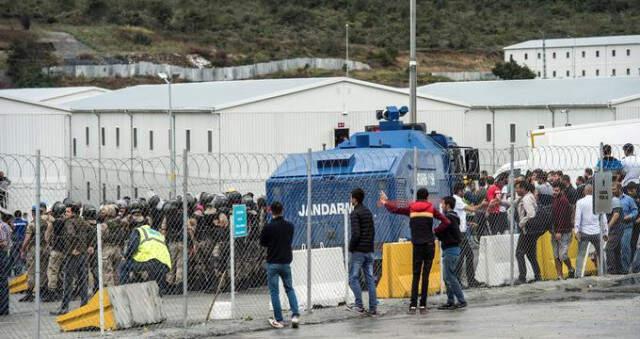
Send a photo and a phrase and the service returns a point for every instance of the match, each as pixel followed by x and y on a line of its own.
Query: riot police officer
pixel 77 234
pixel 28 250
pixel 90 216
pixel 56 250
pixel 173 226
pixel 205 259
pixel 114 235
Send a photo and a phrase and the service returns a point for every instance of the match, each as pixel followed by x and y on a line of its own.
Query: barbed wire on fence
pixel 498 248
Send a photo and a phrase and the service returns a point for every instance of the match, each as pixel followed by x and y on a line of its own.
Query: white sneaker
pixel 295 321
pixel 275 324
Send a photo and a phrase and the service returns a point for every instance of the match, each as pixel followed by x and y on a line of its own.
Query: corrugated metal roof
pixel 44 94
pixel 579 42
pixel 196 96
pixel 536 92
pixel 29 102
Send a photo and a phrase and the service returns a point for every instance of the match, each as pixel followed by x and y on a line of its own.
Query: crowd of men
pixel 68 244
pixel 547 201
pixel 143 239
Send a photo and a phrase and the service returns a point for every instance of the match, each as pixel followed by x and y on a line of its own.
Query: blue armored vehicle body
pixel 379 159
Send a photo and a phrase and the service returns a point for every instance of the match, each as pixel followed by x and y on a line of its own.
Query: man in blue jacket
pixel 609 163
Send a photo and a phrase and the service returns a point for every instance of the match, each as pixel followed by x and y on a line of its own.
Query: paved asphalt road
pixel 608 318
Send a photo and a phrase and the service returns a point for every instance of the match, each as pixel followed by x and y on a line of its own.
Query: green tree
pixel 511 70
pixel 25 61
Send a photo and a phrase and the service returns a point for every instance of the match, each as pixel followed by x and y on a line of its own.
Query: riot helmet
pixel 89 212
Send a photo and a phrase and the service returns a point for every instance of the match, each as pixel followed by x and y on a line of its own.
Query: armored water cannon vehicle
pixel 393 157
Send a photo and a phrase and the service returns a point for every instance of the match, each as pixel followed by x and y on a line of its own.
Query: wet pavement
pixel 612 318
pixel 587 307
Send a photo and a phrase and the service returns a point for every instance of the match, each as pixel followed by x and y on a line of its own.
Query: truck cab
pixel 392 157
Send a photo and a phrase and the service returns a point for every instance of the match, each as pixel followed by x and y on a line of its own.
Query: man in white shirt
pixel 587 228
pixel 630 166
pixel 466 252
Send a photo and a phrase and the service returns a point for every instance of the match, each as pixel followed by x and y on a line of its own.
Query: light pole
pixel 346 48
pixel 413 64
pixel 172 127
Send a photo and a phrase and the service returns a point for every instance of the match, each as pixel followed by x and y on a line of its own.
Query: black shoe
pixel 48 295
pixel 572 274
pixel 520 281
pixel 356 309
pixel 412 310
pixel 447 306
pixel 59 311
pixel 461 305
pixel 423 310
pixel 27 298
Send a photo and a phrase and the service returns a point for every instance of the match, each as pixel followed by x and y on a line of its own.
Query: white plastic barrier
pixel 327 281
pixel 136 304
pixel 221 311
pixel 494 267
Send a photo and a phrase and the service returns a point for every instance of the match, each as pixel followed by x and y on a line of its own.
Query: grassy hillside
pixel 461 34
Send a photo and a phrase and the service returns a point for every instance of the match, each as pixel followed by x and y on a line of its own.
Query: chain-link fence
pixel 210 212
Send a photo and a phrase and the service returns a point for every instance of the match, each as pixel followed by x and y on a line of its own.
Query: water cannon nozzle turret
pixel 392 113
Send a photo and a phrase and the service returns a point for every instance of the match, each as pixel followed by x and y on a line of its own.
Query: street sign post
pixel 602 193
pixel 239 221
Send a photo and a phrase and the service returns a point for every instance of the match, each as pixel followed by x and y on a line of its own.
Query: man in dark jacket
pixel 277 237
pixel 361 250
pixel 450 239
pixel 562 230
pixel 421 213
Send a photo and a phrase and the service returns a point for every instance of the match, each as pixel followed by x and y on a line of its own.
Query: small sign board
pixel 239 221
pixel 602 193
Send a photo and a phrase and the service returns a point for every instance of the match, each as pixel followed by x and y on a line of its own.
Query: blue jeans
pixel 449 261
pixel 625 249
pixel 16 264
pixel 364 261
pixel 275 272
pixel 635 266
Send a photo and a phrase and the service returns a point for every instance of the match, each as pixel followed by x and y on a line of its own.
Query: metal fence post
pixel 70 164
pixel 346 255
pixel 100 280
pixel 310 209
pixel 219 152
pixel 415 173
pixel 512 216
pixel 601 264
pixel 232 266
pixel 185 238
pixel 37 268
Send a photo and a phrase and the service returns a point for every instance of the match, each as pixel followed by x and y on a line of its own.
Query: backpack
pixel 543 221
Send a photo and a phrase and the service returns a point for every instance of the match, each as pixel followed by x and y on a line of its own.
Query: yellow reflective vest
pixel 152 246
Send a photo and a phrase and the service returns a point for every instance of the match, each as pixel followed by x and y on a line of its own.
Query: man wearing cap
pixel 19 229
